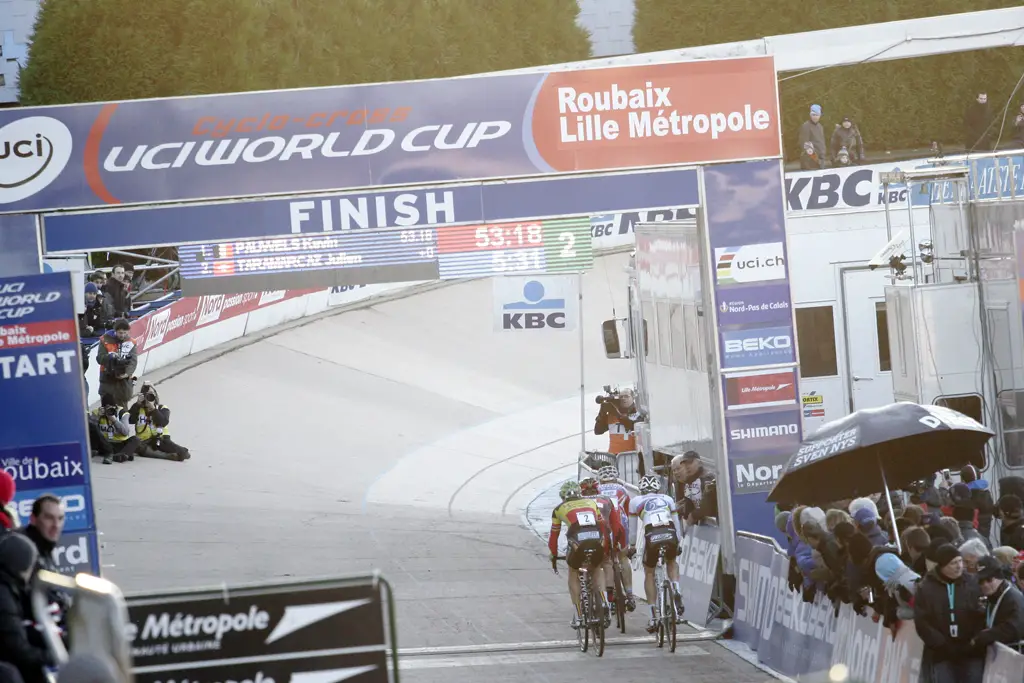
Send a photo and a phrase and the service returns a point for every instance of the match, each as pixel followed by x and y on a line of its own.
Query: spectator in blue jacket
pixel 865 514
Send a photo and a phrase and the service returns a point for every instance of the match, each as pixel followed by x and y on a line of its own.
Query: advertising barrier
pixel 44 442
pixel 802 640
pixel 746 242
pixel 327 630
pixel 347 137
pixel 698 567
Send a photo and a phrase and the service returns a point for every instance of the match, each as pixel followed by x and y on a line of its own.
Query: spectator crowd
pixel 844 145
pixel 936 567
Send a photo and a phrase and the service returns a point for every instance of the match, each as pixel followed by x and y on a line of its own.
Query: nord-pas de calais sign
pixel 315 632
pixel 286 141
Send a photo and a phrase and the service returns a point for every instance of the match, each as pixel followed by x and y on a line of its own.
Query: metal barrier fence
pixel 803 640
pixel 627 462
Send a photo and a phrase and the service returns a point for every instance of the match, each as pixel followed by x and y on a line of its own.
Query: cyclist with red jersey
pixel 611 488
pixel 616 537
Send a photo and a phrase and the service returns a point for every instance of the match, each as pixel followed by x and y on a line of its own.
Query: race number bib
pixel 586 519
pixel 660 518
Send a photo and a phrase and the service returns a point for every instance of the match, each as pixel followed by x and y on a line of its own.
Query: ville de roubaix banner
pixel 306 140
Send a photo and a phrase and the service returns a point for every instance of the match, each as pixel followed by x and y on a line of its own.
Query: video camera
pixel 610 394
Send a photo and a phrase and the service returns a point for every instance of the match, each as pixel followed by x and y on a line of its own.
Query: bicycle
pixel 667 617
pixel 620 594
pixel 592 612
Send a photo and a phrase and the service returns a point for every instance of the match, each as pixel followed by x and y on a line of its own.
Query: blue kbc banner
pixel 43 433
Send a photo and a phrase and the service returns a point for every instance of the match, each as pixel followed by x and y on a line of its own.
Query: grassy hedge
pixel 97 50
pixel 902 104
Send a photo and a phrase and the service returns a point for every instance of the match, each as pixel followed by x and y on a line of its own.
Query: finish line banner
pixel 345 137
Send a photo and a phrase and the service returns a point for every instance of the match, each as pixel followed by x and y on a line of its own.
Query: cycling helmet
pixel 588 486
pixel 649 484
pixel 608 473
pixel 570 490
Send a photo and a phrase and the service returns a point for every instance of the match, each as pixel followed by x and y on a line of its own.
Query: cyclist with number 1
pixel 654 514
pixel 586 532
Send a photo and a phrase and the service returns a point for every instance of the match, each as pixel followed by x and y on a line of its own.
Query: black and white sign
pixel 698 567
pixel 322 632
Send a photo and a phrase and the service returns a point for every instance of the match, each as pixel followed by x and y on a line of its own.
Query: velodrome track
pixel 408 437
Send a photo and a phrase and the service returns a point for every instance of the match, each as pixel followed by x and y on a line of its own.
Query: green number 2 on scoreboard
pixel 567 251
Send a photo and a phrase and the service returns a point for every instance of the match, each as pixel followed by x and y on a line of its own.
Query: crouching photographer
pixel 113 424
pixel 151 419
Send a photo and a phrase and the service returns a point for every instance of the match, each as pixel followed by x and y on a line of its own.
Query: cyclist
pixel 586 531
pixel 654 514
pixel 610 488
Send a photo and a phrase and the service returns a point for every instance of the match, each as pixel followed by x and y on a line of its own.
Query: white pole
pixel 583 397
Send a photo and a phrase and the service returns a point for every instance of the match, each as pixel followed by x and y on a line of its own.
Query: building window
pixel 1011 404
pixel 882 332
pixel 816 336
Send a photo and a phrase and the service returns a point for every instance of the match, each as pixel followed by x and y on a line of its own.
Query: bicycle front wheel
pixel 620 597
pixel 669 615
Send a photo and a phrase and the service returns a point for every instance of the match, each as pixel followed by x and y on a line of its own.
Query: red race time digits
pixel 491 237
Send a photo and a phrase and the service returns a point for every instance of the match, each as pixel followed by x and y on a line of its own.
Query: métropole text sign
pixel 345 137
pixel 276 632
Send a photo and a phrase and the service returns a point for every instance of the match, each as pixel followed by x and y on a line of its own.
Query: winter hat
pixel 991 568
pixel 816 109
pixel 91 288
pixel 781 520
pixel 959 493
pixel 860 503
pixel 1010 504
pixel 812 516
pixel 968 473
pixel 865 517
pixel 930 518
pixel 8 487
pixel 945 554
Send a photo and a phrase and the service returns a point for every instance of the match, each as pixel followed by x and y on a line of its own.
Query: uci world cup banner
pixel 359 136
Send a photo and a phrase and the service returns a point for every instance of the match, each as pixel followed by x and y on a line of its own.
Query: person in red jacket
pixel 8 514
pixel 615 539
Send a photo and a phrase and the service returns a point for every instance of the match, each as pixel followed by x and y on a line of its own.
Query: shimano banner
pixel 44 441
pixel 343 137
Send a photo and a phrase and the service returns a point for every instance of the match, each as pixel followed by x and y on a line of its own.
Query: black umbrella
pixel 872 449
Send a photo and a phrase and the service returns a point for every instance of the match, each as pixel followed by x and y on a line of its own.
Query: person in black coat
pixel 948 616
pixel 18 557
pixel 1004 605
pixel 1011 513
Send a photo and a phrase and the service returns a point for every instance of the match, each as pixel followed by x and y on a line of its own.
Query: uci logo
pixel 33 153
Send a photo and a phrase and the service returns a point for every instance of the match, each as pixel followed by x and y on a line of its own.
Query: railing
pixel 626 462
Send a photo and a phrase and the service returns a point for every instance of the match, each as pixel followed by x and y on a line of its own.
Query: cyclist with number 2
pixel 654 514
pixel 586 531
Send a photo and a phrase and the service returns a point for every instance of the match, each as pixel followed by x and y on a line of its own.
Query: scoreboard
pixel 364 257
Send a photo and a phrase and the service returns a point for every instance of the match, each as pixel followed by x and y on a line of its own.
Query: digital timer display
pixel 357 257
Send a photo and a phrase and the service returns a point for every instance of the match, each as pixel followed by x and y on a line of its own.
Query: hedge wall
pixel 902 104
pixel 95 50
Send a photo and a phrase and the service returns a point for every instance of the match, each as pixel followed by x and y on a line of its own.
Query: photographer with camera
pixel 112 421
pixel 118 357
pixel 151 419
pixel 618 416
